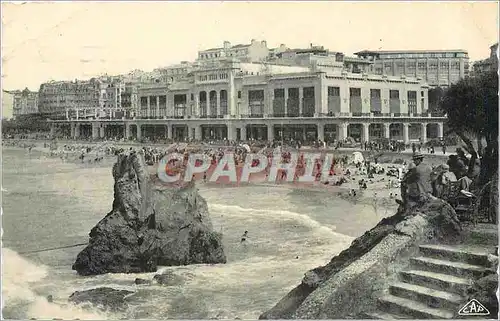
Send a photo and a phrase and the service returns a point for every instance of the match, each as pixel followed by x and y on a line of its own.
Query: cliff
pixel 350 283
pixel 149 225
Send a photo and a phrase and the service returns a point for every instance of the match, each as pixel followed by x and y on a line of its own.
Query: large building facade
pixel 105 97
pixel 254 51
pixel 438 68
pixel 234 100
pixel 24 102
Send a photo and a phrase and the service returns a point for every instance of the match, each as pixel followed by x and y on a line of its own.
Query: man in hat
pixel 417 180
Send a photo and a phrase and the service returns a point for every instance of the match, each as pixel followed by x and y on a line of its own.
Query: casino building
pixel 233 99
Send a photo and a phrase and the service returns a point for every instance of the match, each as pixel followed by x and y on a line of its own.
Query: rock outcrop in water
pixel 149 225
pixel 104 298
pixel 359 273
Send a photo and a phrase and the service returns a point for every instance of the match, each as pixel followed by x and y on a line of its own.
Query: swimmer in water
pixel 244 237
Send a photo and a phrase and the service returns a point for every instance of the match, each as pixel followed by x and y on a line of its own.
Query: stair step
pixel 470 255
pixel 416 310
pixel 380 315
pixel 430 297
pixel 436 281
pixel 448 267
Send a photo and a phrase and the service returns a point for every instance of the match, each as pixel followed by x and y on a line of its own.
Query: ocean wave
pixel 20 300
pixel 302 219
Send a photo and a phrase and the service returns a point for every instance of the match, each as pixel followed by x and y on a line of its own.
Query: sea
pixel 48 203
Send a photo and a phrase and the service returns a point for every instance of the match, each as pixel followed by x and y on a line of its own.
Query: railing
pixel 261 115
pixel 252 116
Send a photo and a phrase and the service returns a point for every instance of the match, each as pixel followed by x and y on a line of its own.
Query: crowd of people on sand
pixel 354 173
pixel 343 169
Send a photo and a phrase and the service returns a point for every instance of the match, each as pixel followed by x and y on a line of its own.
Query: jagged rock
pixel 149 224
pixel 354 275
pixel 168 278
pixel 142 281
pixel 484 290
pixel 103 298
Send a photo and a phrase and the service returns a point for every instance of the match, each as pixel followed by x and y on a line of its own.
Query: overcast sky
pixel 64 41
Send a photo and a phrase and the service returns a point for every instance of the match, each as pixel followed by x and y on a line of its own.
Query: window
pixel 422 93
pixel 455 65
pixel 354 92
pixel 443 65
pixel 239 94
pixel 394 94
pixel 333 91
pixel 375 93
pixel 421 65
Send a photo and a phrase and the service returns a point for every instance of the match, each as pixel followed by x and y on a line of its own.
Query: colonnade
pixel 243 130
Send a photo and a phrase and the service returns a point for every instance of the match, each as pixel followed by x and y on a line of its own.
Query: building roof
pixel 212 49
pixel 240 46
pixel 409 51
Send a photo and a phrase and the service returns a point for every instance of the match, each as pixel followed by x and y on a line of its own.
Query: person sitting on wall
pixel 417 181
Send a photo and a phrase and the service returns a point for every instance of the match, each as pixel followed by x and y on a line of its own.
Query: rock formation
pixel 360 272
pixel 104 298
pixel 484 290
pixel 149 225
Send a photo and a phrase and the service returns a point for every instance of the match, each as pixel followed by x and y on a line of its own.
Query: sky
pixel 78 40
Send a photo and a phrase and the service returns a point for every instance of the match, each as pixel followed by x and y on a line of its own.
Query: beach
pixel 50 203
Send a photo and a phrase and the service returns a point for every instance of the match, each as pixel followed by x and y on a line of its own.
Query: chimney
pixel 227 45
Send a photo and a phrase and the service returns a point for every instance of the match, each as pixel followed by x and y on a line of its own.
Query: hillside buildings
pixel 24 102
pixel 227 99
pixel 436 67
pixel 250 91
pixel 97 97
pixel 488 64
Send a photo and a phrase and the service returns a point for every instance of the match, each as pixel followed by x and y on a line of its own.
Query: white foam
pixel 303 219
pixel 18 276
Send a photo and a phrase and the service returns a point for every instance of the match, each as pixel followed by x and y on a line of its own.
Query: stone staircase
pixel 435 285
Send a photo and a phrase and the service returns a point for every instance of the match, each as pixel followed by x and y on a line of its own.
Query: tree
pixel 472 109
pixel 26 123
pixel 435 96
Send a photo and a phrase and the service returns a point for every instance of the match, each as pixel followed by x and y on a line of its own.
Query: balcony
pixel 252 116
